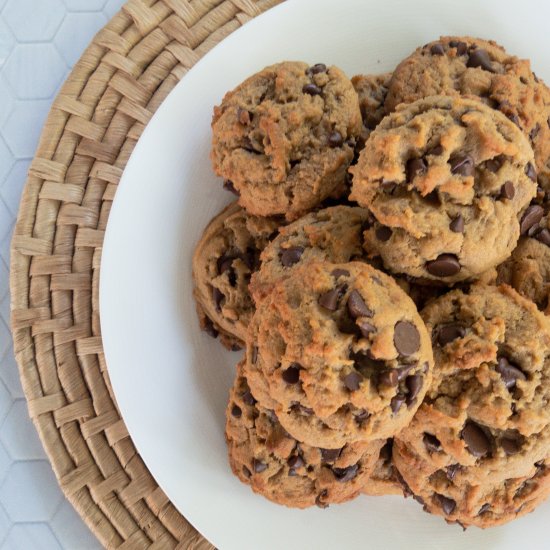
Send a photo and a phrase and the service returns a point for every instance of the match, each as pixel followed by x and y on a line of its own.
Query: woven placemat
pixel 95 121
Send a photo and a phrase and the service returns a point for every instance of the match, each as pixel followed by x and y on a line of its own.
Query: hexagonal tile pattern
pixel 36 47
pixel 70 531
pixel 30 478
pixel 76 32
pixel 35 71
pixel 22 128
pixel 36 536
pixel 19 436
pixel 32 21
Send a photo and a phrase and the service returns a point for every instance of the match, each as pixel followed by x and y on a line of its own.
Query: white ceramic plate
pixel 171 380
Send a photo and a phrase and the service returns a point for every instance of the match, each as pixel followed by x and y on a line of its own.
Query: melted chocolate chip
pixel 329 300
pixel 236 411
pixel 534 131
pixel 543 236
pixel 312 89
pixel 291 256
pixel 209 328
pixel 362 416
pixel 295 462
pixel 386 451
pixel 415 167
pixel 445 265
pixel 366 328
pixel 258 466
pixel 494 164
pixel 484 509
pixel 340 273
pixel 335 139
pixel 356 305
pixel 397 402
pixel 346 474
pixel 462 165
pixel 218 298
pixel 448 333
pixel 248 398
pixel 229 186
pixel 530 172
pixel 406 338
pixel 246 472
pixel 437 49
pixel 328 456
pixel 511 443
pixel 447 504
pixel 414 385
pixel 532 216
pixel 291 375
pixel 317 68
pixel 431 443
pixel 436 151
pixel 457 225
pixel 480 58
pixel 461 47
pixel 509 372
pixel 451 471
pixel 352 381
pixel 319 499
pixel 403 372
pixel 507 191
pixel 477 441
pixel 388 378
pixel 383 233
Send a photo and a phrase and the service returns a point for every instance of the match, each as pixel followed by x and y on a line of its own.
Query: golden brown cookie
pixel 474 67
pixel 447 179
pixel 224 260
pixel 263 455
pixel 339 352
pixel 285 137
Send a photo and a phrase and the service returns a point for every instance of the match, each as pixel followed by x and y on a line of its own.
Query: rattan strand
pixel 95 121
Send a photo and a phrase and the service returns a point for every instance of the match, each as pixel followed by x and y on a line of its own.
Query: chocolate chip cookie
pixel 263 455
pixel 447 179
pixel 224 260
pixel 470 66
pixel 334 234
pixel 484 419
pixel 340 353
pixel 285 137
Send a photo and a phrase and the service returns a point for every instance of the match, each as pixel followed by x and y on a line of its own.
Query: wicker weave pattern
pixel 102 109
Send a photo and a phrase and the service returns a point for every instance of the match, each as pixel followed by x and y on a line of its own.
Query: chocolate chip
pixel 386 451
pixel 515 119
pixel 445 265
pixel 431 443
pixel 366 328
pixel 291 256
pixel 509 372
pixel 295 461
pixel 406 338
pixel 531 217
pixel 329 300
pixel 494 164
pixel 485 508
pixel 311 89
pixel 319 499
pixel 352 381
pixel 461 47
pixel 317 68
pixel 457 225
pixel 543 236
pixel 248 398
pixel 218 298
pixel 254 357
pixel 530 172
pixel 383 233
pixel 415 167
pixel 403 372
pixel 448 333
pixel 436 151
pixel 258 466
pixel 433 198
pixel 388 378
pixel 243 116
pixel 389 187
pixel 209 328
pixel 414 385
pixel 236 347
pixel 236 411
pixel 247 473
pixel 451 471
pixel 548 121
pixel 356 305
pixel 362 416
pixel 397 402
pixel 229 186
pixel 462 165
pixel 292 374
pixel 511 443
pixel 480 58
pixel 447 504
pixel 335 139
pixel 534 131
pixel 477 441
pixel 507 191
pixel 340 273
pixel 299 408
pixel 437 49
pixel 346 474
pixel 328 456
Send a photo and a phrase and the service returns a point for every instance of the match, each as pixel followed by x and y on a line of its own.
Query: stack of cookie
pixel 361 203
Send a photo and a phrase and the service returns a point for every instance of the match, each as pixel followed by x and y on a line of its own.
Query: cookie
pixel 470 66
pixel 528 269
pixel 223 262
pixel 372 91
pixel 484 418
pixel 334 234
pixel 263 455
pixel 383 479
pixel 285 137
pixel 340 353
pixel 447 179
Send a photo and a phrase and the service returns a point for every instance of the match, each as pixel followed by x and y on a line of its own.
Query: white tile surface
pixel 39 39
